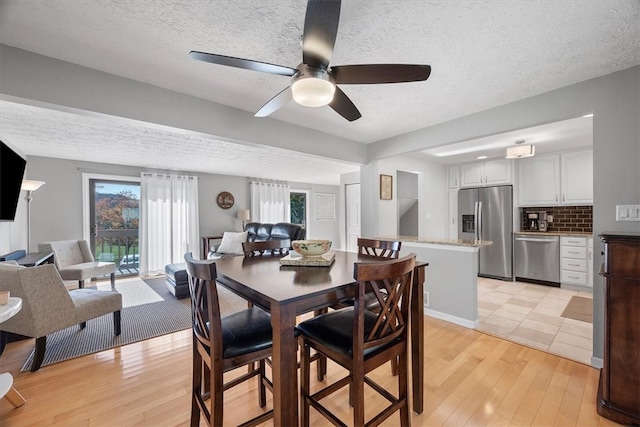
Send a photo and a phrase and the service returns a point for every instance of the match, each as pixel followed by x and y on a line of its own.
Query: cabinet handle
pixel 574 265
pixel 563 197
pixel 573 277
pixel 556 197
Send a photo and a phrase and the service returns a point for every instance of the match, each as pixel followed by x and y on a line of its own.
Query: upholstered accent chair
pixel 75 261
pixel 47 305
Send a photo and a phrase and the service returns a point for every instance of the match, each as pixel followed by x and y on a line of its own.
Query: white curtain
pixel 169 224
pixel 270 202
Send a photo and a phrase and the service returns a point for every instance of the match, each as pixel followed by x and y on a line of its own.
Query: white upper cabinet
pixel 490 172
pixel 556 179
pixel 577 177
pixel 497 171
pixel 472 174
pixel 454 176
pixel 539 180
pixel 453 214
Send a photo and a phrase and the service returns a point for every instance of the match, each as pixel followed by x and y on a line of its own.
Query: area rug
pixel 579 308
pixel 149 310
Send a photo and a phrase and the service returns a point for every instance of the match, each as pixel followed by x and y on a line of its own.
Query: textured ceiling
pixel 483 53
pixel 71 136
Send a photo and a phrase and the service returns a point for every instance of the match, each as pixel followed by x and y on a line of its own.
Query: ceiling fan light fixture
pixel 312 88
pixel 520 151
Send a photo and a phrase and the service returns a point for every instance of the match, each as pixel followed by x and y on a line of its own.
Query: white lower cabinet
pixel 574 261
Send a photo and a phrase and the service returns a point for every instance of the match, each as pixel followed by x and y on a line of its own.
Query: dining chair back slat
pixel 266 247
pixel 384 249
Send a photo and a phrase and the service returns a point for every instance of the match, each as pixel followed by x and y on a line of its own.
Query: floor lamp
pixel 243 214
pixel 30 186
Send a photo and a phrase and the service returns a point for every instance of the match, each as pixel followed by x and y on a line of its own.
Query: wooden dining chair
pixel 279 247
pixel 221 344
pixel 374 249
pixel 371 340
pixel 266 247
pixel 383 249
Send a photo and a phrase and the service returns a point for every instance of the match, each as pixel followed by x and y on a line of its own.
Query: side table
pixel 6 380
pixel 33 259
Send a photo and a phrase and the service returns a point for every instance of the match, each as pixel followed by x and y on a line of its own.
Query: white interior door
pixel 352 192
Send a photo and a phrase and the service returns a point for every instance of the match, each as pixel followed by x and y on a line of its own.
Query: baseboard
pixel 451 319
pixel 596 362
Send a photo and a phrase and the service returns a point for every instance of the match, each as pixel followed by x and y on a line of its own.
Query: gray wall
pixel 56 209
pixel 615 101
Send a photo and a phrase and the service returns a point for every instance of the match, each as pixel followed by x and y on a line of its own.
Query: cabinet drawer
pixel 574 252
pixel 573 241
pixel 574 264
pixel 576 277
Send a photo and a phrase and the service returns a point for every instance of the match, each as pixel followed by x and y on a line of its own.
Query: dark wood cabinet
pixel 619 387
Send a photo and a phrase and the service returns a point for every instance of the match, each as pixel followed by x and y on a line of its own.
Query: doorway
pixel 112 221
pixel 352 195
pixel 408 203
pixel 299 210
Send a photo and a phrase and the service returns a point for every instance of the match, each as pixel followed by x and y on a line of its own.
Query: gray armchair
pixel 48 307
pixel 74 261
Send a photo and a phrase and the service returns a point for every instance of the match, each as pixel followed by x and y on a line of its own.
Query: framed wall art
pixel 225 200
pixel 325 207
pixel 386 187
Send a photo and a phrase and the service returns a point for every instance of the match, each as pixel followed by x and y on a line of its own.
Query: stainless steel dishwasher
pixel 538 259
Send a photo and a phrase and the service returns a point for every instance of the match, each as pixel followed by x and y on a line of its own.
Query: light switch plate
pixel 628 213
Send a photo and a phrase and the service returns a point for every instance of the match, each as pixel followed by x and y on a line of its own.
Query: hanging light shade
pixel 520 151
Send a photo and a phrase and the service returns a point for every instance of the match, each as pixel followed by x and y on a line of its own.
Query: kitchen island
pixel 451 287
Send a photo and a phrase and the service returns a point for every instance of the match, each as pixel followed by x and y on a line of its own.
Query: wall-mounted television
pixel 12 167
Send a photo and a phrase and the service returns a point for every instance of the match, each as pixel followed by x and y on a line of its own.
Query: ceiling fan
pixel 313 82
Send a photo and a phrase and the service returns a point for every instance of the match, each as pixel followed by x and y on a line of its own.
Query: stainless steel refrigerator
pixel 486 213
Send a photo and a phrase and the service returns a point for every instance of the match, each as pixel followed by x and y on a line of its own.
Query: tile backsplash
pixel 577 219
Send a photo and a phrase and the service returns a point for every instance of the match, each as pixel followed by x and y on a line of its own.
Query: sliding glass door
pixel 114 214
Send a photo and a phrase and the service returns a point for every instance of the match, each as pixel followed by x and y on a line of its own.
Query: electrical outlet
pixel 627 212
pixel 427 300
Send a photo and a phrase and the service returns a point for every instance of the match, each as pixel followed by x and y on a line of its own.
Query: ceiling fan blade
pixel 380 73
pixel 320 29
pixel 247 64
pixel 275 103
pixel 342 105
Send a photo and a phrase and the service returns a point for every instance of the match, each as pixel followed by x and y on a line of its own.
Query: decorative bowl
pixel 311 248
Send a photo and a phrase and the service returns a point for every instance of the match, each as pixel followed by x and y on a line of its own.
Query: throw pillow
pixel 232 243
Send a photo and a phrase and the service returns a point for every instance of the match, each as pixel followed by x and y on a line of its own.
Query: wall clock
pixel 225 200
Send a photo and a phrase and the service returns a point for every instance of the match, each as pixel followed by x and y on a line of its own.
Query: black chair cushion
pixel 246 331
pixel 335 330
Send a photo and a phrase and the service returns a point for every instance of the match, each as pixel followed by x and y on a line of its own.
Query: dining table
pixel 288 291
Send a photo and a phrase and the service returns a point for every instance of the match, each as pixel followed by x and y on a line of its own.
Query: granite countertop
pixel 438 241
pixel 555 233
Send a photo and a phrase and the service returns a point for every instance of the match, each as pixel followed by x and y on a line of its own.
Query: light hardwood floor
pixel 472 379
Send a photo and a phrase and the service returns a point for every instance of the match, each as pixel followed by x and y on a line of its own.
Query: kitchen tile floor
pixel 529 314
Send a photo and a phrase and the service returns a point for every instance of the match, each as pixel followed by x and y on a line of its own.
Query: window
pixel 299 208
